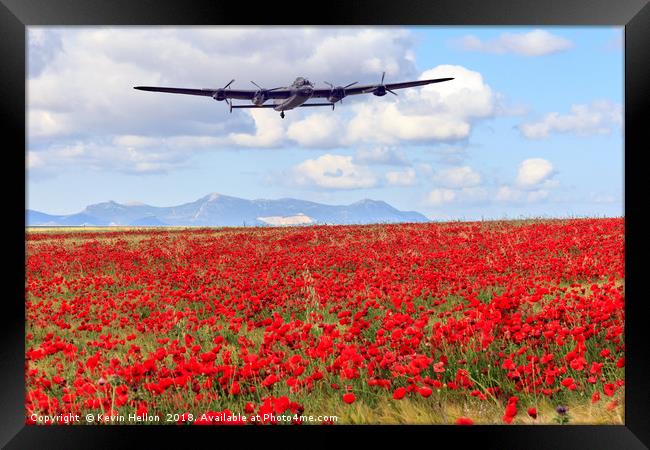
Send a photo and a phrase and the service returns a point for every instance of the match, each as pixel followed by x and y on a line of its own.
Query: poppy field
pixel 504 322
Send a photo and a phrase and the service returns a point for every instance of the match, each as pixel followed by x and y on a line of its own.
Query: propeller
pixel 381 89
pixel 229 100
pixel 220 94
pixel 339 90
pixel 262 94
pixel 383 86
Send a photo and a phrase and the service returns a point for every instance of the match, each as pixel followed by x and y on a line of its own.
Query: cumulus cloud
pixel 334 172
pixel 316 130
pixel 533 172
pixel 434 113
pixel 438 197
pixel 269 131
pixel 533 183
pixel 596 118
pixel 458 177
pixel 533 43
pixel 401 177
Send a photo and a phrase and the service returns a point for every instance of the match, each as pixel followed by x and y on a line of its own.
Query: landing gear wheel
pixel 282 114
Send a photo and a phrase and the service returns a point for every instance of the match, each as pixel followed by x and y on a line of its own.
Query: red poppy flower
pixel 399 393
pixel 464 421
pixel 425 391
pixel 609 389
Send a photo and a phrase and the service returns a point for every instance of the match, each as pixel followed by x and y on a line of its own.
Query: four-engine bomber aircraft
pixel 294 96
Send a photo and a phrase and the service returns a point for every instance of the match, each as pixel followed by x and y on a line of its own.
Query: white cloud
pixel 401 178
pixel 316 130
pixel 458 177
pixel 533 43
pixel 333 171
pixel 388 124
pixel 46 124
pixel 371 50
pixel 437 112
pixel 533 183
pixel 596 118
pixel 438 197
pixel 269 131
pixel 533 172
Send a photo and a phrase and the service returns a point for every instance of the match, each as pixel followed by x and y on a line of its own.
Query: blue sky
pixel 531 125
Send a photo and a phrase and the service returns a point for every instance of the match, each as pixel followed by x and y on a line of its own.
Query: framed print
pixel 384 217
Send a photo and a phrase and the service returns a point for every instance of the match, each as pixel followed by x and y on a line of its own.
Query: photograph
pixel 324 225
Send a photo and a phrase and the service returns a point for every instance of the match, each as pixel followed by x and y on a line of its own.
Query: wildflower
pixel 464 421
pixel 399 393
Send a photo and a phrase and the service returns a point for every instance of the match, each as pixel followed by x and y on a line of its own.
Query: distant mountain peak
pixel 368 201
pixel 216 209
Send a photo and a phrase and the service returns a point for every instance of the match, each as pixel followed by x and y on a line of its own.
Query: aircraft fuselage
pixel 300 96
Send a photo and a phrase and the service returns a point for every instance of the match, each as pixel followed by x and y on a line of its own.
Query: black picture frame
pixel 16 15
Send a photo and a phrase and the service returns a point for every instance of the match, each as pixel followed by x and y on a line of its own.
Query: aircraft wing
pixel 239 94
pixel 368 88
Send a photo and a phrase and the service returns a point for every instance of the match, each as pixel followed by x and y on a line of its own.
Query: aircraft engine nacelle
pixel 336 94
pixel 259 98
pixel 379 91
pixel 219 95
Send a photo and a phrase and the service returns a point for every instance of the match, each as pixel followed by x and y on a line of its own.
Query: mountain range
pixel 221 210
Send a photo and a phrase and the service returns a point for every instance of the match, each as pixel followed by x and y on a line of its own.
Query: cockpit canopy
pixel 300 81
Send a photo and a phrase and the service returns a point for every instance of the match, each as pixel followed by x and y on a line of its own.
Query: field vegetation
pixel 515 322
